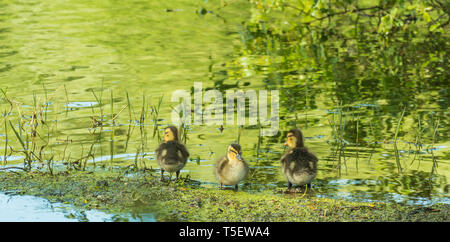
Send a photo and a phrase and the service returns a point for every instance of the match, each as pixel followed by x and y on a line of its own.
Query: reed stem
pixel 397 154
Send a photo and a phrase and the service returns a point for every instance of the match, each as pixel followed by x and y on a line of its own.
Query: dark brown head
pixel 234 152
pixel 170 134
pixel 295 138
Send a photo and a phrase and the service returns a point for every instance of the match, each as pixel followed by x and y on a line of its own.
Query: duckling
pixel 298 164
pixel 171 154
pixel 232 168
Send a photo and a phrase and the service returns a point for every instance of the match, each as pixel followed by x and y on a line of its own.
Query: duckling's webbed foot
pixel 178 174
pixel 288 190
pixel 162 175
pixel 220 186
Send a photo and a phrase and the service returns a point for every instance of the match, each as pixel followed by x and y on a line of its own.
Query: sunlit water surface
pixel 24 208
pixel 82 59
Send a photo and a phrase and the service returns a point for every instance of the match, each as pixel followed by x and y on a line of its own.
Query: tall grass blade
pixel 397 154
pixel 6 143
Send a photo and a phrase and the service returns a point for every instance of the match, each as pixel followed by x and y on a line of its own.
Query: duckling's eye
pixel 234 152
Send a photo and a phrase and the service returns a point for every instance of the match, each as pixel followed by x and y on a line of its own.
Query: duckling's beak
pixel 239 157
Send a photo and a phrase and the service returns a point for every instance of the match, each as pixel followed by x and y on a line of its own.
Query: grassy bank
pixel 187 201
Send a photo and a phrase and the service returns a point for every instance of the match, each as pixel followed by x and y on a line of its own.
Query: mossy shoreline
pixel 185 200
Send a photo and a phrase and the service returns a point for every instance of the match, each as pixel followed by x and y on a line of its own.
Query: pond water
pixel 24 208
pixel 84 79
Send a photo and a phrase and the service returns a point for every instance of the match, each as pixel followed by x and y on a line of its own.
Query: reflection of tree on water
pixel 413 185
pixel 306 60
pixel 359 65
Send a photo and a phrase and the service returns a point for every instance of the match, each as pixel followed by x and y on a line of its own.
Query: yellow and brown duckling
pixel 171 155
pixel 298 164
pixel 232 168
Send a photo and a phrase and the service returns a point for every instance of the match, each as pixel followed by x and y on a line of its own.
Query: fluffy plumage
pixel 231 168
pixel 298 164
pixel 171 155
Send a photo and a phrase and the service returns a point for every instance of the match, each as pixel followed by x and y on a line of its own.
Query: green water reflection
pixel 344 89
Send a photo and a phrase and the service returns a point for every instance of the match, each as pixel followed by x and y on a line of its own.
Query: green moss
pixel 143 192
